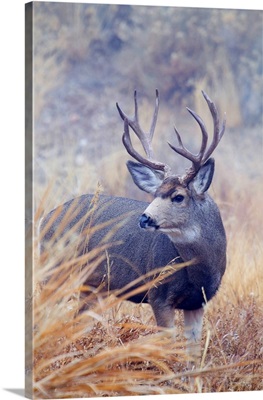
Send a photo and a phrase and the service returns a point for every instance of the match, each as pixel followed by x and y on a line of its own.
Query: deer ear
pixel 204 177
pixel 145 178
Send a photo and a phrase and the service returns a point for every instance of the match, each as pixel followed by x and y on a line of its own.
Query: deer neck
pixel 188 245
pixel 195 243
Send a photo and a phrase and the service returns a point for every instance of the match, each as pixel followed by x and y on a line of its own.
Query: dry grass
pixel 115 349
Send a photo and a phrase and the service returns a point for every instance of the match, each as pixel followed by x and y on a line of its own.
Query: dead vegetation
pixel 115 349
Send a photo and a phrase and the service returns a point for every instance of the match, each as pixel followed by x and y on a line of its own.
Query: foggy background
pixel 88 57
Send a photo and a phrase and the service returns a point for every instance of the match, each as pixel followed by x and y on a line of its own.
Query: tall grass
pixel 87 349
pixel 115 348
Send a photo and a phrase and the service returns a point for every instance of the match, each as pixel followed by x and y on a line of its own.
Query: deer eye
pixel 178 199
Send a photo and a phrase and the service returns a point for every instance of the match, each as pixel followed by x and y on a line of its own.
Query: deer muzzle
pixel 146 222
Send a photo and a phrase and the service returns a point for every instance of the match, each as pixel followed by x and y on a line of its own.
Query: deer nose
pixel 147 222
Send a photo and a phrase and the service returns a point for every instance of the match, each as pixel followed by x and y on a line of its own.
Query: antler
pixel 144 137
pixel 203 155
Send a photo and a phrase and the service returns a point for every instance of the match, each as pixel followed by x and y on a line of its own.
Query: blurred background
pixel 88 57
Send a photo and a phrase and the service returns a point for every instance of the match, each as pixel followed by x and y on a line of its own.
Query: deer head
pixel 175 197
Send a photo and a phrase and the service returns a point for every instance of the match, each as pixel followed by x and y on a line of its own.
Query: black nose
pixel 146 222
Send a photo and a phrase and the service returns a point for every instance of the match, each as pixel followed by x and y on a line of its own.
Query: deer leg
pixel 193 321
pixel 87 300
pixel 164 316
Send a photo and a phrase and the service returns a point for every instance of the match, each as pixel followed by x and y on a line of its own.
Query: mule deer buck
pixel 181 225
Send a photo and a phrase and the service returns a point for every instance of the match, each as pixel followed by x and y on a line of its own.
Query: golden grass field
pixel 115 349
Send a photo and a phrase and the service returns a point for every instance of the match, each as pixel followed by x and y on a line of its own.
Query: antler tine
pixel 204 133
pixel 196 159
pixel 218 133
pixel 144 137
pixel 203 155
pixel 155 115
pixel 182 150
pixel 126 139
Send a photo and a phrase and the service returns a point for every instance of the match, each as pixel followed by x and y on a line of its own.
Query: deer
pixel 182 225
